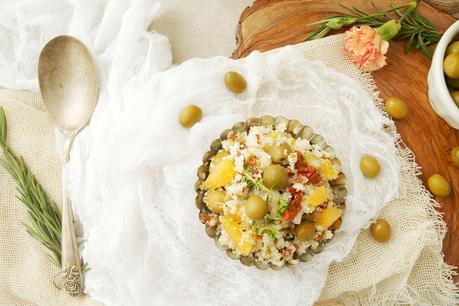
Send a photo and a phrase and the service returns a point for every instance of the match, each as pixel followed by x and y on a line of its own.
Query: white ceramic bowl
pixel 439 96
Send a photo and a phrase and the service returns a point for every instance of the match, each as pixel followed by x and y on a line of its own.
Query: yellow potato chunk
pixel 327 170
pixel 217 159
pixel 220 174
pixel 329 216
pixel 232 226
pixel 274 135
pixel 317 197
pixel 312 160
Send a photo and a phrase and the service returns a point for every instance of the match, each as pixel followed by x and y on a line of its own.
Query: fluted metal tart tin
pixel 297 130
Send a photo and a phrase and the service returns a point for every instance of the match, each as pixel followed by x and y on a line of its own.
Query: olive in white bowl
pixel 439 93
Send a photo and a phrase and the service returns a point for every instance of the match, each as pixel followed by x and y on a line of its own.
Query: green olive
pixel 438 185
pixel 451 65
pixel 380 230
pixel 275 176
pixel 369 166
pixel 455 97
pixel 396 108
pixel 256 208
pixel 305 231
pixel 235 82
pixel 453 48
pixel 454 83
pixel 190 115
pixel 215 199
pixel 279 152
pixel 455 156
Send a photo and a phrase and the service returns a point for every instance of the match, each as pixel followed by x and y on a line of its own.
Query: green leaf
pixel 409 44
pixel 283 206
pixel 248 167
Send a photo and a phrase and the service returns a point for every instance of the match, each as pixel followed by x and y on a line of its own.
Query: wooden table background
pixel 272 24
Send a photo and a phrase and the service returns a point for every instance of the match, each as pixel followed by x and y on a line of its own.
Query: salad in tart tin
pixel 270 192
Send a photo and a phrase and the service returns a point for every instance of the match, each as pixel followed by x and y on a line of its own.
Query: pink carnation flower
pixel 366 48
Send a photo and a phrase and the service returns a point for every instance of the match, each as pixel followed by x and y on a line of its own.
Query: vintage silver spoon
pixel 69 87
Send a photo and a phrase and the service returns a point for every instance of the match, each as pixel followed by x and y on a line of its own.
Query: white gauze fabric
pixel 132 170
pixel 134 176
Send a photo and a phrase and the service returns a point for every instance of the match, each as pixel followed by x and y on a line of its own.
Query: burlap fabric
pixel 408 269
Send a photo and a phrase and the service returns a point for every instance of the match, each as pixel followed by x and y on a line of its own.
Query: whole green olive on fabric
pixel 369 166
pixel 438 185
pixel 453 83
pixel 235 82
pixel 451 65
pixel 215 199
pixel 455 156
pixel 455 97
pixel 256 208
pixel 278 152
pixel 380 230
pixel 305 231
pixel 396 108
pixel 275 176
pixel 453 48
pixel 190 115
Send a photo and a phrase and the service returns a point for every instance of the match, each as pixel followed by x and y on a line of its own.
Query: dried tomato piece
pixel 312 174
pixel 251 160
pixel 286 252
pixel 205 218
pixel 294 206
pixel 299 160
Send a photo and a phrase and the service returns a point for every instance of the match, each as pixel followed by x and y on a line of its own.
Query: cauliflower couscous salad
pixel 271 192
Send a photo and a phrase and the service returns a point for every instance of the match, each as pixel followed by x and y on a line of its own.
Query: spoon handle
pixel 71 267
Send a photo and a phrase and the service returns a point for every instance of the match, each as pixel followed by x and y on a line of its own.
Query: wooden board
pixel 271 24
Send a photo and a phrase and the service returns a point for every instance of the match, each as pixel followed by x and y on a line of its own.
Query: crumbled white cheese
pixel 297 219
pixel 267 141
pixel 328 234
pixel 314 244
pixel 292 159
pixel 260 129
pixel 302 145
pixel 281 127
pixel 239 164
pixel 315 163
pixel 231 207
pixel 224 239
pixel 305 207
pixel 235 188
pixel 263 158
pixel 298 186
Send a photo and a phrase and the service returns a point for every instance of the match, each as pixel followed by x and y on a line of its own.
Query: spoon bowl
pixel 68 83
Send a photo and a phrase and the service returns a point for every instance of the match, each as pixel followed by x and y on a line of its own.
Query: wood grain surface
pixel 271 24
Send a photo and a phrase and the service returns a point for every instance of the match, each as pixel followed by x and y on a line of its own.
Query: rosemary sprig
pixel 43 215
pixel 416 28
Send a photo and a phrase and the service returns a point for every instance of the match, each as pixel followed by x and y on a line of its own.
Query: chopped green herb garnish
pixel 283 206
pixel 275 187
pixel 272 233
pixel 270 219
